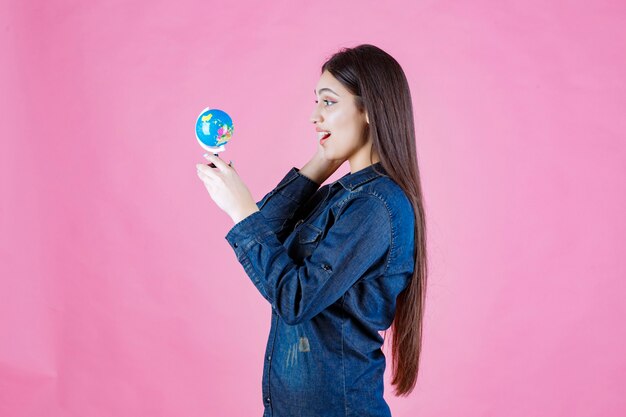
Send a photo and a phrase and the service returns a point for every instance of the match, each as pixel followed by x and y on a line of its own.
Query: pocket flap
pixel 308 233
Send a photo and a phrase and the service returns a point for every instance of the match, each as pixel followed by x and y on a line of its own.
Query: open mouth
pixel 323 135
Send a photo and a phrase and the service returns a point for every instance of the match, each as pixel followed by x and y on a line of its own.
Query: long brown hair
pixel 381 89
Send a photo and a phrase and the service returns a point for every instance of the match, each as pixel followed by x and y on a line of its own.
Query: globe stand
pixel 214 150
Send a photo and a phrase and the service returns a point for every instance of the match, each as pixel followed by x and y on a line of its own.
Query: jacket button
pixel 235 244
pixel 267 399
pixel 326 267
pixel 269 358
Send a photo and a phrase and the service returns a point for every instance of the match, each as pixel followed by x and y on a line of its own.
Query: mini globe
pixel 214 128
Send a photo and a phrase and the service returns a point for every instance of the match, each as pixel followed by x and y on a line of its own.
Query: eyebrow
pixel 326 89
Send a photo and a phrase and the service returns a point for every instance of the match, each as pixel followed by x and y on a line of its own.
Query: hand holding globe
pixel 214 128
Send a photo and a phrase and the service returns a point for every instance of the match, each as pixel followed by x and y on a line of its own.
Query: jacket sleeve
pixel 356 244
pixel 279 205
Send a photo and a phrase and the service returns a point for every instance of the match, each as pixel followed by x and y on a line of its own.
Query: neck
pixel 362 160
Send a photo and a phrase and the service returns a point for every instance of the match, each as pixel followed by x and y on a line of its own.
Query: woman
pixel 342 262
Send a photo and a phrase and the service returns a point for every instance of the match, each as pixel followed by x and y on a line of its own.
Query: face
pixel 336 112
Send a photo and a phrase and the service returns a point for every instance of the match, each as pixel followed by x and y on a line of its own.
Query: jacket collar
pixel 354 179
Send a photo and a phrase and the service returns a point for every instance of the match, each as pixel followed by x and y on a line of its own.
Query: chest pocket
pixel 303 241
pixel 307 239
pixel 309 235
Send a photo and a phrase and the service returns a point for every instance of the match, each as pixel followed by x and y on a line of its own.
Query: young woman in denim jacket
pixel 343 262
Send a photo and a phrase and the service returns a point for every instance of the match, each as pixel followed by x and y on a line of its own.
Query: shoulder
pixel 385 192
pixel 390 194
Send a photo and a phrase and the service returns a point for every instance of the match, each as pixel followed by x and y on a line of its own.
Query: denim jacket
pixel 331 262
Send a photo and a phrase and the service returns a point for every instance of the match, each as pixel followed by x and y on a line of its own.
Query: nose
pixel 316 116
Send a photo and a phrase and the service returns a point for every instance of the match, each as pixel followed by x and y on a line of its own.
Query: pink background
pixel 119 295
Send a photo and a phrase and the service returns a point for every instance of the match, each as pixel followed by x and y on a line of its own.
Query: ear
pixel 367 119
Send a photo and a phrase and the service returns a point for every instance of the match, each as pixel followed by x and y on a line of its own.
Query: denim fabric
pixel 331 262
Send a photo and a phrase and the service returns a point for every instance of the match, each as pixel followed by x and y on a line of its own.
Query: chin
pixel 329 154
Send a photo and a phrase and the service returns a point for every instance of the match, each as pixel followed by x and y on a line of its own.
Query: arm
pixel 279 205
pixel 357 244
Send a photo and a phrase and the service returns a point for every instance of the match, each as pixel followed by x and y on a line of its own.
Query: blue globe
pixel 214 128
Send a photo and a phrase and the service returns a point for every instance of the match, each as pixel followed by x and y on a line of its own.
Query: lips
pixel 321 135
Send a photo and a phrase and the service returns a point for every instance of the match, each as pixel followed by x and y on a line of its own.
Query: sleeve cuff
pixel 242 234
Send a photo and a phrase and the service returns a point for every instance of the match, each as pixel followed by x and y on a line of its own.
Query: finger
pixel 217 161
pixel 208 184
pixel 206 156
pixel 206 172
pixel 202 176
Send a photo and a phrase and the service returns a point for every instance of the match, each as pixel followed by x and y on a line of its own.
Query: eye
pixel 326 101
